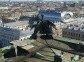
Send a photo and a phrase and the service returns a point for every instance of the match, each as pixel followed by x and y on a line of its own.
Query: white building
pixel 2 9
pixel 66 14
pixel 20 25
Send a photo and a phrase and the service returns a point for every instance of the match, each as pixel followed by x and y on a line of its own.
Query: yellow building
pixel 20 25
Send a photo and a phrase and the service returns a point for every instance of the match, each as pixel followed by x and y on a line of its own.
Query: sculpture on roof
pixel 44 28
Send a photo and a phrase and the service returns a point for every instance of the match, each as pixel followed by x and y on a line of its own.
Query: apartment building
pixel 14 31
pixel 74 32
pixel 7 35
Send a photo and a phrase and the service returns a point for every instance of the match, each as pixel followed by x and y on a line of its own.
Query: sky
pixel 44 0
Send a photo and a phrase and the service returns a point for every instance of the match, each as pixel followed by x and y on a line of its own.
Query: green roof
pixel 70 40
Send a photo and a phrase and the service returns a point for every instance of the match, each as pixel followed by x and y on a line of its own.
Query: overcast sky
pixel 44 0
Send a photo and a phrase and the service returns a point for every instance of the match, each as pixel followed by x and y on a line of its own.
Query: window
pixel 71 34
pixel 76 34
pixel 68 33
pixel 79 35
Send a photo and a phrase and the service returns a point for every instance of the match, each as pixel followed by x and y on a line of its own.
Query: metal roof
pixel 63 39
pixel 15 24
pixel 50 13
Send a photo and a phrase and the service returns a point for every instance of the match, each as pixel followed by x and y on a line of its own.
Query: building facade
pixel 74 32
pixel 7 35
pixel 14 31
pixel 19 25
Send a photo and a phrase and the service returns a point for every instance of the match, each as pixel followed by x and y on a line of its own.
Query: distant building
pixel 58 18
pixel 4 8
pixel 14 31
pixel 66 14
pixel 7 35
pixel 54 16
pixel 29 14
pixel 20 25
pixel 39 1
pixel 74 32
pixel 5 11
